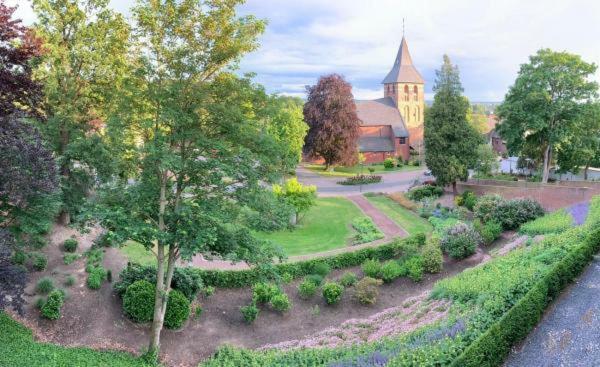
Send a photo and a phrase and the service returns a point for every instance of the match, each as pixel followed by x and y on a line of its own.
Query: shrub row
pixel 245 278
pixel 426 191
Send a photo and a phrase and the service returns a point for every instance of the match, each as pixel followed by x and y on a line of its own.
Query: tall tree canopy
pixel 330 113
pixel 203 138
pixel 450 140
pixel 541 110
pixel 86 46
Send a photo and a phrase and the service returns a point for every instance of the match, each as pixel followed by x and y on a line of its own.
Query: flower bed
pixel 361 180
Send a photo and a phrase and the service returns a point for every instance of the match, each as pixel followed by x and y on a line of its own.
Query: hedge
pixel 245 278
pixel 491 347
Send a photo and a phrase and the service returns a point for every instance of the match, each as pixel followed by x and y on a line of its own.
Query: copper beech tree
pixel 330 113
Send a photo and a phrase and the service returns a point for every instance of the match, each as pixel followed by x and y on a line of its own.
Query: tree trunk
pixel 454 189
pixel 546 168
pixel 585 172
pixel 64 216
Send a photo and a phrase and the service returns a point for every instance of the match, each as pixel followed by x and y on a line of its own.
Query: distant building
pixel 390 124
pixel 494 139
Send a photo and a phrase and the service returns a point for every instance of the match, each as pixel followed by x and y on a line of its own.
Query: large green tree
pixel 203 141
pixel 85 46
pixel 541 110
pixel 450 140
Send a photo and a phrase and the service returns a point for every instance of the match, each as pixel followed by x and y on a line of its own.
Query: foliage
pixel 39 261
pixel 280 302
pixel 52 306
pixel 138 301
pixel 95 277
pixel 366 230
pixel 44 285
pixel 402 199
pixel 555 222
pixel 488 231
pixel 307 288
pixel 13 277
pixel 68 259
pixel 250 312
pixel 468 199
pixel 70 245
pixel 460 241
pixel 390 270
pixel 332 292
pixel 388 163
pixel 487 161
pixel 301 197
pixel 178 310
pixel 442 225
pixel 321 268
pixel 414 268
pixel 486 206
pixel 314 278
pixel 433 259
pixel 406 219
pixel 541 109
pixel 70 281
pixel 333 126
pixel 360 180
pixel 348 279
pixel 371 268
pixel 264 292
pixel 512 213
pixel 367 290
pixel 426 191
pixel 449 138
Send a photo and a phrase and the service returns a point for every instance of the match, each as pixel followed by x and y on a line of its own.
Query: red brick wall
pixel 376 131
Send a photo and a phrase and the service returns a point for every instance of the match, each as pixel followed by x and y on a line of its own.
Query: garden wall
pixel 550 196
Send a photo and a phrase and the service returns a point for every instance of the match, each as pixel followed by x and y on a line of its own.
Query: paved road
pixel 569 333
pixel 327 186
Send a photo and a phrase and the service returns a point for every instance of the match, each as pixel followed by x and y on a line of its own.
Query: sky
pixel 359 39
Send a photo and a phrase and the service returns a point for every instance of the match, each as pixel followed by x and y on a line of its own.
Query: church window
pixel 415 93
pixel 406 92
pixel 402 140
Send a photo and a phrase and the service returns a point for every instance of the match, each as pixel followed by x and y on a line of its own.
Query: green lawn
pixel 353 170
pixel 405 218
pixel 326 226
pixel 137 253
pixel 18 349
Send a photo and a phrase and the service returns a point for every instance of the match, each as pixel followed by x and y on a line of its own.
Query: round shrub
pixel 348 279
pixel 367 290
pixel 390 270
pixel 280 302
pixel 315 278
pixel 460 241
pixel 70 245
pixel 432 256
pixel 307 289
pixel 321 268
pixel 486 206
pixel 488 231
pixel 19 257
pixel 512 213
pixel 371 268
pixel 249 312
pixel 96 277
pixel 51 308
pixel 426 191
pixel 414 268
pixel 332 292
pixel 388 163
pixel 138 301
pixel 263 292
pixel 39 261
pixel 178 310
pixel 44 285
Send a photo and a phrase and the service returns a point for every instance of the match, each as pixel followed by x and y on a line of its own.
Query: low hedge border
pixel 493 346
pixel 245 278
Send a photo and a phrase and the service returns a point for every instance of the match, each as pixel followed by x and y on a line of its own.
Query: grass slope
pixel 406 219
pixel 326 226
pixel 18 349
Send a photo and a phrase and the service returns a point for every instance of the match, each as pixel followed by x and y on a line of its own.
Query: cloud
pixel 487 39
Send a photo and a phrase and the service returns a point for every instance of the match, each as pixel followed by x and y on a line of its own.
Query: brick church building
pixel 389 125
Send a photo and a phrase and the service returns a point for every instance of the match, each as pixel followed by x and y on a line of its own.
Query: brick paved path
pixel 389 228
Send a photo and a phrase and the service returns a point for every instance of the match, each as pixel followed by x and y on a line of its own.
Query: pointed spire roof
pixel 403 70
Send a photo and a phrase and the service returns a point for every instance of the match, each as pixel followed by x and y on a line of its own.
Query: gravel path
pixel 569 333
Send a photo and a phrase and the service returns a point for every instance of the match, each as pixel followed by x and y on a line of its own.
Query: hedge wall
pixel 245 278
pixel 491 347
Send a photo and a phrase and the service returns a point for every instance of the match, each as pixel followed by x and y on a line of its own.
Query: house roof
pixel 381 111
pixel 403 70
pixel 375 144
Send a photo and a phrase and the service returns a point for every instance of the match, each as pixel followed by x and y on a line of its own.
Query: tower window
pixel 406 92
pixel 415 93
pixel 402 140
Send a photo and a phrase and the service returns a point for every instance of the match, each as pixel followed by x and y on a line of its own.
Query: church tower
pixel 405 86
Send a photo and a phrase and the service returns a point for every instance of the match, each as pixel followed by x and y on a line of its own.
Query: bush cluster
pixel 332 292
pixel 44 285
pixel 321 268
pixel 460 241
pixel 510 214
pixel 426 191
pixel 372 268
pixel 468 199
pixel 414 268
pixel 95 278
pixel 361 180
pixel 488 231
pixel 366 230
pixel 390 270
pixel 70 245
pixel 51 307
pixel 250 312
pixel 388 163
pixel 367 290
pixel 280 302
pixel 263 292
pixel 307 288
pixel 348 279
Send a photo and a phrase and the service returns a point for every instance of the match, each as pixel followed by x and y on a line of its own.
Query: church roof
pixel 403 70
pixel 381 111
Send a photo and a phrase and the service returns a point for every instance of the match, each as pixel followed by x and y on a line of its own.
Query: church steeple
pixel 403 70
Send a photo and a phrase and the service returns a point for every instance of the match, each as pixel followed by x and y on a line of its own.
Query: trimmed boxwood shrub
pixel 178 310
pixel 280 302
pixel 70 245
pixel 138 301
pixel 307 289
pixel 332 292
pixel 250 312
pixel 51 308
pixel 367 290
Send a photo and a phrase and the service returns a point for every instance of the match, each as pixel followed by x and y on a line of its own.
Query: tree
pixel 204 150
pixel 86 46
pixel 542 107
pixel 582 149
pixel 299 196
pixel 486 161
pixel 477 118
pixel 449 138
pixel 333 126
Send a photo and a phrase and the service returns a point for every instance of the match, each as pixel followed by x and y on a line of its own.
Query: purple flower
pixel 579 212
